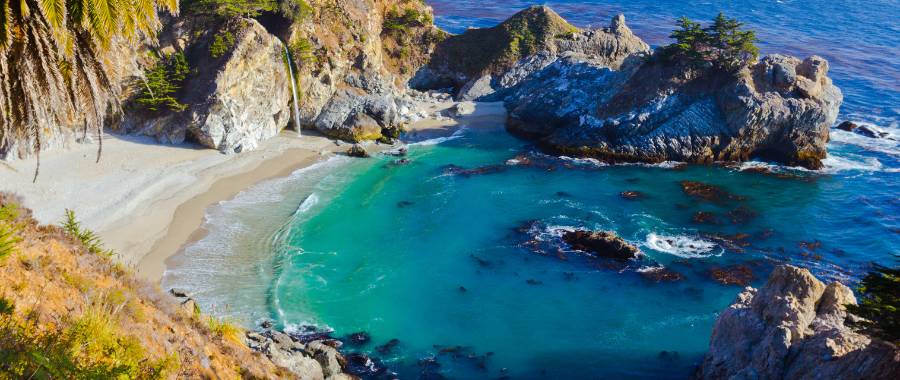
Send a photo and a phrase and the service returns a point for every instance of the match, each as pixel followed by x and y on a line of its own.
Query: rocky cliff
pixel 603 93
pixel 479 62
pixel 352 60
pixel 793 328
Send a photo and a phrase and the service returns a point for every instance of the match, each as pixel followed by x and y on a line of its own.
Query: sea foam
pixel 682 246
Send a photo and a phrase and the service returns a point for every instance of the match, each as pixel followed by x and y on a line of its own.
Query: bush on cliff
pixel 160 84
pixel 722 44
pixel 879 304
pixel 231 9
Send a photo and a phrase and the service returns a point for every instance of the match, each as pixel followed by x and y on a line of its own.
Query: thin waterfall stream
pixel 287 54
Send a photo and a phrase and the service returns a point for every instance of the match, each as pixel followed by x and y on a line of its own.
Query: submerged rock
pixel 631 195
pixel 601 244
pixel 793 328
pixel 707 192
pixel 661 274
pixel 732 275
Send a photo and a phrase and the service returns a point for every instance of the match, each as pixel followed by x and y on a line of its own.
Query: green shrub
pixel 222 43
pixel 162 82
pixel 879 304
pixel 397 22
pixel 295 10
pixel 722 44
pixel 88 238
pixel 303 51
pixel 9 230
pixel 230 9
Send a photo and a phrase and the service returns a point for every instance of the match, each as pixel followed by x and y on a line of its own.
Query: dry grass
pixel 80 314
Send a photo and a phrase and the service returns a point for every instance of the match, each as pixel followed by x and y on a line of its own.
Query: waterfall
pixel 287 54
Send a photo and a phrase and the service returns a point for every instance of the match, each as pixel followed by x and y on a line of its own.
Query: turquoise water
pixel 370 245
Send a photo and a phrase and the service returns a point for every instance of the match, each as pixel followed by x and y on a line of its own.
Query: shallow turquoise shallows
pixel 466 269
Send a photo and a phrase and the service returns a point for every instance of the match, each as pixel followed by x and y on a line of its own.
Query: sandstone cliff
pixel 793 328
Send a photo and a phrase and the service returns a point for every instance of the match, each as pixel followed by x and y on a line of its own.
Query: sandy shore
pixel 147 200
pixel 141 191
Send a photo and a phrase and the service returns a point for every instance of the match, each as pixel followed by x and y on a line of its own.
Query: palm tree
pixel 51 65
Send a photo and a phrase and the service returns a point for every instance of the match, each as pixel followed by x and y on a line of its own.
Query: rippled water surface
pixel 467 272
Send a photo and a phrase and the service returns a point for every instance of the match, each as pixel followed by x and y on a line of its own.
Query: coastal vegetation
pixel 724 44
pixel 158 88
pixel 68 311
pixel 879 305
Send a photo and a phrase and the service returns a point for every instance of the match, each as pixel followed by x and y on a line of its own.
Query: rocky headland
pixel 794 328
pixel 604 93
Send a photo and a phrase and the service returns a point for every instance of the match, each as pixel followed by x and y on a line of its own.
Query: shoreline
pixel 148 200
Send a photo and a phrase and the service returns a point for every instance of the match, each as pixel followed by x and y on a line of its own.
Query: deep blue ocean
pixel 466 274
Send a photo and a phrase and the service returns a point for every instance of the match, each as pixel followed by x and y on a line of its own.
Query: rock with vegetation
pixel 353 62
pixel 675 105
pixel 236 95
pixel 794 328
pixel 479 62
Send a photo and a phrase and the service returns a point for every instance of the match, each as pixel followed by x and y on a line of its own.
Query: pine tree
pixel 879 304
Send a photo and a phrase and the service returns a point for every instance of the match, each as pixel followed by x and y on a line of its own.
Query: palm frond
pixel 54 10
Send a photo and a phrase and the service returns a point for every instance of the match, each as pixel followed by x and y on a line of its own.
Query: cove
pixel 456 255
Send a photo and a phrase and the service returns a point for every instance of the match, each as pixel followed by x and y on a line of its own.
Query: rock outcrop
pixel 234 101
pixel 604 94
pixel 649 110
pixel 793 328
pixel 315 360
pixel 353 81
pixel 480 62
pixel 601 244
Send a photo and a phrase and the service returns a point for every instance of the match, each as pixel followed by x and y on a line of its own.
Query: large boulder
pixel 793 328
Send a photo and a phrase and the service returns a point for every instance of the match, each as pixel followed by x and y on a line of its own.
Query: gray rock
pixel 476 88
pixel 462 109
pixel 579 106
pixel 327 356
pixel 234 103
pixel 793 328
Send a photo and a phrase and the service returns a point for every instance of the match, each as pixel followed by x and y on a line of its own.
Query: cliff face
pixel 352 61
pixel 793 328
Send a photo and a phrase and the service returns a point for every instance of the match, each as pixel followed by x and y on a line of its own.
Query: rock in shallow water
pixel 601 244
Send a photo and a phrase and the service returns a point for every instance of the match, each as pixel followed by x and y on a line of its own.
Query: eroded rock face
pixel 793 328
pixel 647 110
pixel 313 360
pixel 251 99
pixel 233 102
pixel 480 62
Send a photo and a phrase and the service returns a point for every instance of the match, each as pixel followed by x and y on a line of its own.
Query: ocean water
pixel 465 269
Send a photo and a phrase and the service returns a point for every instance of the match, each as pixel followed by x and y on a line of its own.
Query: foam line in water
pixel 438 140
pixel 684 246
